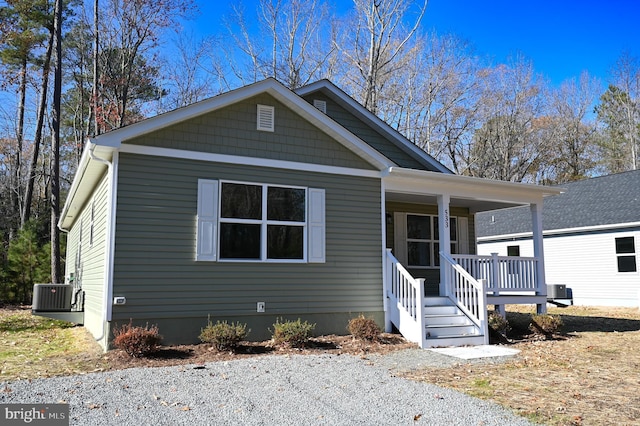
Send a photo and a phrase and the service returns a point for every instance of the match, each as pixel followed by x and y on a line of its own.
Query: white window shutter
pixel 206 239
pixel 316 225
pixel 463 235
pixel 400 237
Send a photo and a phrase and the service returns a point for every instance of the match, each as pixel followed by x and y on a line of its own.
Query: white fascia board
pixel 84 181
pixel 115 137
pixel 82 167
pixel 550 232
pixel 374 121
pixel 271 86
pixel 423 182
pixel 246 161
pixel 74 191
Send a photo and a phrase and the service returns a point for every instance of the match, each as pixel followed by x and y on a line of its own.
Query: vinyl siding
pixel 232 131
pixel 93 256
pixel 366 133
pixel 586 263
pixel 155 249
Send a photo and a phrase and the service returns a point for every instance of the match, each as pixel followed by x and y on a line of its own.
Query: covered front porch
pixel 436 289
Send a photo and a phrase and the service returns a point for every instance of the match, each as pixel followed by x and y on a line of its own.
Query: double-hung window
pixel 259 222
pixel 626 254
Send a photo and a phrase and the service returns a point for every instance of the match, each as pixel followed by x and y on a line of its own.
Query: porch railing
pixel 502 273
pixel 467 293
pixel 405 301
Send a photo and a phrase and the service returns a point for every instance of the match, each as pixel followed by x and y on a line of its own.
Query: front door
pixel 417 247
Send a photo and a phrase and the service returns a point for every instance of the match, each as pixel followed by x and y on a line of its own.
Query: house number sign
pixel 446 218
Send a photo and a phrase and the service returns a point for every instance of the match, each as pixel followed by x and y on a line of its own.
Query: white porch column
pixel 444 236
pixel 538 252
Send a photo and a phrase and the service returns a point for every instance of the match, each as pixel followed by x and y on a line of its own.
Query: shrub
pixel 137 341
pixel 364 328
pixel 224 336
pixel 498 323
pixel 546 324
pixel 293 333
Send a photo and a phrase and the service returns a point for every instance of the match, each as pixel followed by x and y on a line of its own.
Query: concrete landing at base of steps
pixel 473 352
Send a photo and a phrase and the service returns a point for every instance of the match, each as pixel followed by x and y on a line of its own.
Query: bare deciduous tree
pixel 377 45
pixel 130 32
pixel 505 147
pixel 293 43
pixel 188 82
pixel 440 98
pixel 571 131
pixel 626 77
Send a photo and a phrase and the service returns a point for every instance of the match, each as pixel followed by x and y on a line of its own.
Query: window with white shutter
pixel 240 221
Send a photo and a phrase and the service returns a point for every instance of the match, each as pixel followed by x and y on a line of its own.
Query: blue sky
pixel 561 37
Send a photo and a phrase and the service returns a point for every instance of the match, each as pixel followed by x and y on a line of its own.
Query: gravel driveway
pixel 266 390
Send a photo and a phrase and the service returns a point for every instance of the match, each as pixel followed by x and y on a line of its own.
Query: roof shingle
pixel 605 200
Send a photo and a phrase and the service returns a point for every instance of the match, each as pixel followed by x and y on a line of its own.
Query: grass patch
pixel 32 346
pixel 586 376
pixel 481 388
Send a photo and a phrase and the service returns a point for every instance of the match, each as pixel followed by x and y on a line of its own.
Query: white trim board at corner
pixel 472 352
pixel 246 161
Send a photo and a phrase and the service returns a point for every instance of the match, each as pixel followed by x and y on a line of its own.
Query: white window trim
pixel 634 254
pixel 433 241
pixel 209 220
pixel 264 223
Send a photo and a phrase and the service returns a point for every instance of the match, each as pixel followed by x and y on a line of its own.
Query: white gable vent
pixel 321 105
pixel 265 118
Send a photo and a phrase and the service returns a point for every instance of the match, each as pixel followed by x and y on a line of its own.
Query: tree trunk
pixel 55 148
pixel 42 104
pixel 15 188
pixel 94 93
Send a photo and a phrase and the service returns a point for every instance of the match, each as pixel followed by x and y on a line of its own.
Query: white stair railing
pixel 405 307
pixel 467 293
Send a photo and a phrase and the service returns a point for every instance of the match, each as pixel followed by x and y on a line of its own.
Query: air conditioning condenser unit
pixel 556 291
pixel 51 297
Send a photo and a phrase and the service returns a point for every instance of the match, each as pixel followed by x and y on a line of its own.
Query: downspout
pixel 110 236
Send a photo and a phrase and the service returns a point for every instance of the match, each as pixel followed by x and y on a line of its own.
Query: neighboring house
pixel 591 238
pixel 264 203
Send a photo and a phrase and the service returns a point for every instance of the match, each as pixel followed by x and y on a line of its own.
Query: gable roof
pixel 99 150
pixel 597 202
pixel 271 86
pixel 359 111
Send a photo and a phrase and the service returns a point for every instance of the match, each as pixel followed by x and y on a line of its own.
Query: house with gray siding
pixel 591 237
pixel 264 203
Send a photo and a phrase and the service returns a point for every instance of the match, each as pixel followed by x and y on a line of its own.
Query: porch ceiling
pixel 473 205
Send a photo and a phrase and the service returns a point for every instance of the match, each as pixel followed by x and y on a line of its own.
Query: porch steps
pixel 447 325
